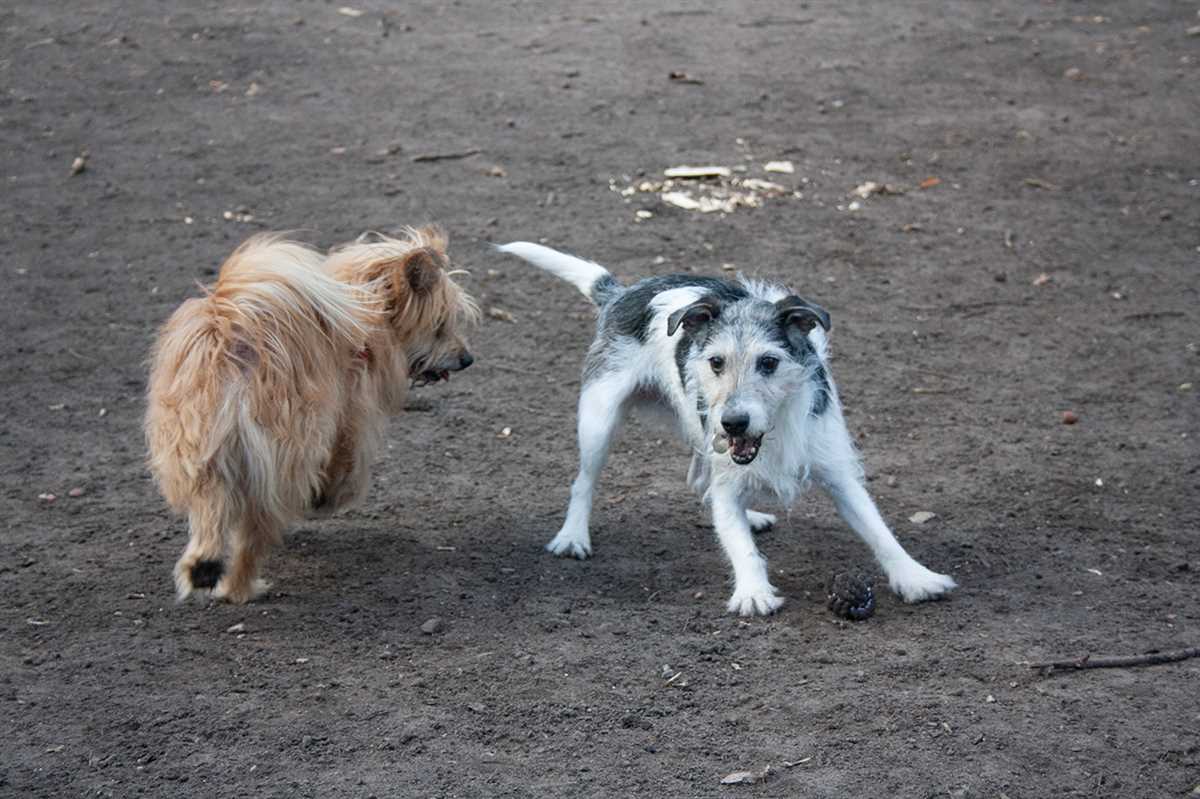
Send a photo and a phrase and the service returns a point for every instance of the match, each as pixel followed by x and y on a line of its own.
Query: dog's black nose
pixel 735 424
pixel 465 360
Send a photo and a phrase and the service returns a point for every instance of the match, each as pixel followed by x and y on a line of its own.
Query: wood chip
pixel 681 199
pixel 80 163
pixel 500 314
pixel 784 167
pixel 697 172
pixel 746 777
pixel 929 183
pixel 922 516
pixel 347 11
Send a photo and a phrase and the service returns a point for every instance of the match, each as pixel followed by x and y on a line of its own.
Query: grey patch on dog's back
pixel 630 314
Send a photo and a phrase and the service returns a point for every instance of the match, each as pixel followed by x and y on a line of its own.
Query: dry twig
pixel 446 156
pixel 1120 662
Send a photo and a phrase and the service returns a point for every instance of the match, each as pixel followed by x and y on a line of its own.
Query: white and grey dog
pixel 744 367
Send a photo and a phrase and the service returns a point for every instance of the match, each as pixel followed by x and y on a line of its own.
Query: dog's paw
pixel 567 545
pixel 760 522
pixel 241 593
pixel 757 602
pixel 195 574
pixel 915 583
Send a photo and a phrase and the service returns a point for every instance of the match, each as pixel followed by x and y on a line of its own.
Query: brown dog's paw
pixel 206 573
pixel 241 592
pixel 193 575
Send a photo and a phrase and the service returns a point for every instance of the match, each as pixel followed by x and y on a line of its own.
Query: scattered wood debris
pixel 783 167
pixel 922 516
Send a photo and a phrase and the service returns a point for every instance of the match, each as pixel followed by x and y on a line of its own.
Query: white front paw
pixel 915 583
pixel 761 601
pixel 570 545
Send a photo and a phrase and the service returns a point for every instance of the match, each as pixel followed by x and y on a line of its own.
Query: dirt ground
pixel 1053 268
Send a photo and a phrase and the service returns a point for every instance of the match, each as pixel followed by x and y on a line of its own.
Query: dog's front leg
pixel 752 589
pixel 908 578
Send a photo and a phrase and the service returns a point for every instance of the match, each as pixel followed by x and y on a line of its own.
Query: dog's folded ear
pixel 797 316
pixel 422 268
pixel 694 316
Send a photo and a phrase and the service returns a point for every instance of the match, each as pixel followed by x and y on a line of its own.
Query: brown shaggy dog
pixel 268 395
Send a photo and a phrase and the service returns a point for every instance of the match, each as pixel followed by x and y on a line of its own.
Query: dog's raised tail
pixel 593 280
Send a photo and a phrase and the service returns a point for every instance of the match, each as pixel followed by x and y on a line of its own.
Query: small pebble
pixel 1069 417
pixel 75 492
pixel 432 626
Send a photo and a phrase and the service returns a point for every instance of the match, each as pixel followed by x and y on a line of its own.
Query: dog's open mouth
pixel 744 449
pixel 431 376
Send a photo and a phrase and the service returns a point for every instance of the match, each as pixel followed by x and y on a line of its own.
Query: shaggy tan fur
pixel 268 395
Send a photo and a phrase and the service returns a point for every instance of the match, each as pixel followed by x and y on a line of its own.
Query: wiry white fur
pixel 576 271
pixel 798 446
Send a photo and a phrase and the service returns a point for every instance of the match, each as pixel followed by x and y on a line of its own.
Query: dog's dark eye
pixel 767 364
pixel 717 363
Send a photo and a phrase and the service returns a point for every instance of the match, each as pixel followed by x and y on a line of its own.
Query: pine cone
pixel 851 596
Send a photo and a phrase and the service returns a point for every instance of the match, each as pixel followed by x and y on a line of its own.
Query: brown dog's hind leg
pixel 200 566
pixel 252 539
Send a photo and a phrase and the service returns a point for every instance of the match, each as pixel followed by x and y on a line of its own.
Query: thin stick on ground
pixel 446 156
pixel 1120 662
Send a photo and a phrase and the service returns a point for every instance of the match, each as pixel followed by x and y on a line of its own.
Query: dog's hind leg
pixel 908 578
pixel 201 566
pixel 254 536
pixel 602 406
